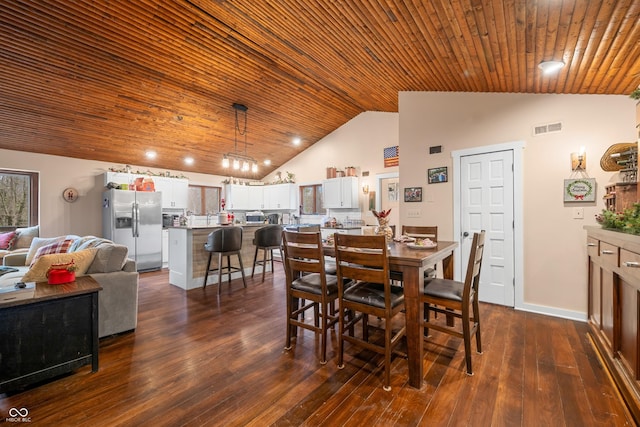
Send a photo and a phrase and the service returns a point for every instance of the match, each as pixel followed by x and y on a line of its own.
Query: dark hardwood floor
pixel 196 359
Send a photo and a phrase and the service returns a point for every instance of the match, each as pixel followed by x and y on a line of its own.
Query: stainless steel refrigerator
pixel 134 219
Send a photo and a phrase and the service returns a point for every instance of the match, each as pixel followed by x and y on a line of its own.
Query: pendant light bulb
pixel 225 162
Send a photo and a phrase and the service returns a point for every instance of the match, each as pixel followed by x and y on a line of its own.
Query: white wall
pixel 84 216
pixel 555 273
pixel 359 143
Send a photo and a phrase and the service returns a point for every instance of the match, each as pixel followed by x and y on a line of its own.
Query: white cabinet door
pixel 280 196
pixel 238 197
pixel 332 193
pixel 175 192
pixel 340 193
pixel 256 197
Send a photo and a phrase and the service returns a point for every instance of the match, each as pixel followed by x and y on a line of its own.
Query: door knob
pixel 465 234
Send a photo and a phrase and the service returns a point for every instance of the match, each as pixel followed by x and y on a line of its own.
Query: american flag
pixel 391 156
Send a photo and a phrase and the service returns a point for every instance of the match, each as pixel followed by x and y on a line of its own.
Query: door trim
pixel 518 259
pixel 379 178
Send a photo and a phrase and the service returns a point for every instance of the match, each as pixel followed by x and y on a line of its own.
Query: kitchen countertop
pixel 189 227
pixel 343 228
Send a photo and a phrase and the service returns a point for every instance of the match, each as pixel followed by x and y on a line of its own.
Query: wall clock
pixel 70 194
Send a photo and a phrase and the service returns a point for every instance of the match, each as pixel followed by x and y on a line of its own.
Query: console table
pixel 47 333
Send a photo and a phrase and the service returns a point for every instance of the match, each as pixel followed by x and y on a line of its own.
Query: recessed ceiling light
pixel 296 141
pixel 267 162
pixel 150 154
pixel 188 160
pixel 549 67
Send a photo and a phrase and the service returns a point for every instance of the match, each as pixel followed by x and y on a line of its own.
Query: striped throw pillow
pixel 61 247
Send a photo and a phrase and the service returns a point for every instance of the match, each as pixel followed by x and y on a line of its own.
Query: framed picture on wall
pixel 437 175
pixel 413 194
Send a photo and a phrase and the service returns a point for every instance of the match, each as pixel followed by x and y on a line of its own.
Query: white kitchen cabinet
pixel 280 196
pixel 256 197
pixel 238 197
pixel 340 193
pixel 259 197
pixel 175 192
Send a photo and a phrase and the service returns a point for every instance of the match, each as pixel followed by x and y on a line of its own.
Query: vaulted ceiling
pixel 108 80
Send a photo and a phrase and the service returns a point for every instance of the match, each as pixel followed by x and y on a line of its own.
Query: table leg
pixel 413 288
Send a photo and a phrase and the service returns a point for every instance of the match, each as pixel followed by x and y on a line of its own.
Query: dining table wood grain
pixel 412 263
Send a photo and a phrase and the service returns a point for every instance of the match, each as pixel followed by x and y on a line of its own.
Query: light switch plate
pixel 414 213
pixel 578 213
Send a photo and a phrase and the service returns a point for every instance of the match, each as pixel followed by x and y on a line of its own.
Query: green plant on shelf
pixel 627 221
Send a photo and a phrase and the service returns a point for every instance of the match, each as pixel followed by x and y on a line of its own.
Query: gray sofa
pixel 118 299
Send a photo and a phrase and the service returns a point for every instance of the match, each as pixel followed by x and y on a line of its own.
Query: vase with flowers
pixel 383 227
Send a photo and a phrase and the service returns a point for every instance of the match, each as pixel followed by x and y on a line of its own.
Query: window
pixel 203 199
pixel 311 199
pixel 18 199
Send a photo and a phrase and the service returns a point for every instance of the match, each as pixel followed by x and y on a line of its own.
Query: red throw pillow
pixel 7 240
pixel 61 247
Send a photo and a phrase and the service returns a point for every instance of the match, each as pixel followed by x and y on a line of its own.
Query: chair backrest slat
pixel 303 251
pixel 421 231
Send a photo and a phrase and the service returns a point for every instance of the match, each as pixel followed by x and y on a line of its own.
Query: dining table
pixel 412 262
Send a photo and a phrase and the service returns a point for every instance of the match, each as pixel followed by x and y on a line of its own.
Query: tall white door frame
pixel 517 147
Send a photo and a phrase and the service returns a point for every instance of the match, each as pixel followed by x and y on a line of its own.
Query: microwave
pixel 168 220
pixel 255 217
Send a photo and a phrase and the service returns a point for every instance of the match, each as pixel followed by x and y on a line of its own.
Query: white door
pixel 487 203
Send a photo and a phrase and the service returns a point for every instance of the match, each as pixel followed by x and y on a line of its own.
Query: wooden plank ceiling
pixel 108 80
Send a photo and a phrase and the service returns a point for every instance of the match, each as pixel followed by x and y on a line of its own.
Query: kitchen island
pixel 188 258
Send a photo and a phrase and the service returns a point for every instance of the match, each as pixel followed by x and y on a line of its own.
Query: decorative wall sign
pixel 580 190
pixel 413 194
pixel 437 175
pixel 70 194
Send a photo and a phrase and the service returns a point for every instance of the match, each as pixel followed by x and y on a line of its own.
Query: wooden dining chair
pixel 457 299
pixel 308 287
pixel 364 289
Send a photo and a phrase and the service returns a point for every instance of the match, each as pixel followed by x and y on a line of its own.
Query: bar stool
pixel 225 241
pixel 266 239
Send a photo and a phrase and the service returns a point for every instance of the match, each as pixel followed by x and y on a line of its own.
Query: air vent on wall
pixel 547 128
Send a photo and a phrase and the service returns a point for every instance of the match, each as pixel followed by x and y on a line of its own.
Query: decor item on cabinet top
pixel 128 169
pixel 289 179
pixel 625 222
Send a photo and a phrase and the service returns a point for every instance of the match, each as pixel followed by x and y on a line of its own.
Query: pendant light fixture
pixel 239 161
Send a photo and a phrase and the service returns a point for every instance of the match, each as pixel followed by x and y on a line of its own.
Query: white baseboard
pixel 552 311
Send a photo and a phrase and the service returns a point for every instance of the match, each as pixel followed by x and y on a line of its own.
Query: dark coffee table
pixel 51 331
